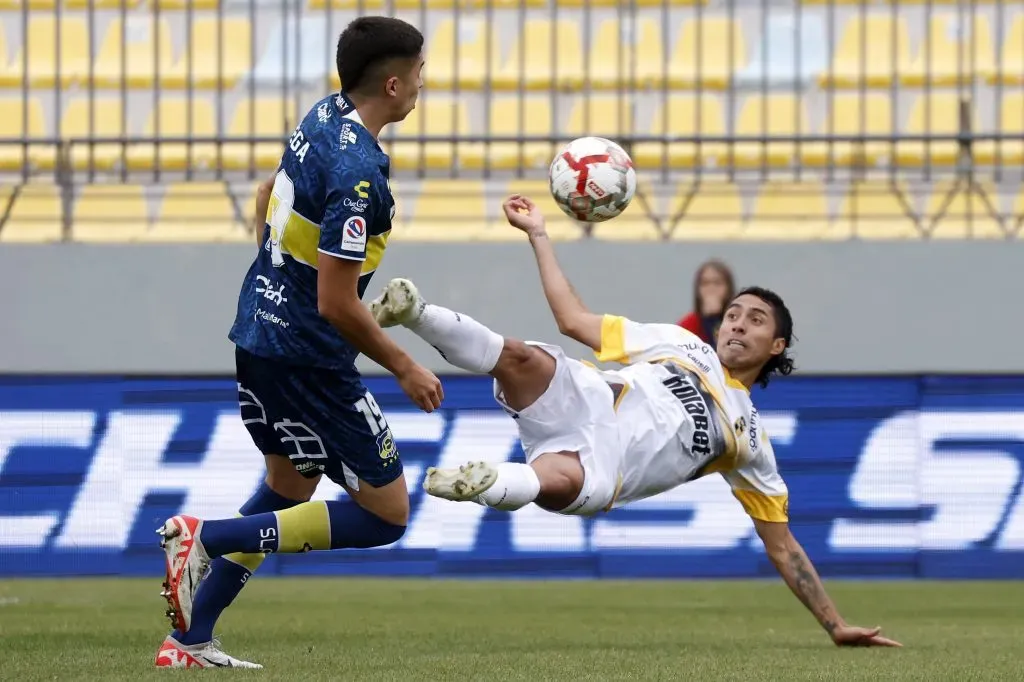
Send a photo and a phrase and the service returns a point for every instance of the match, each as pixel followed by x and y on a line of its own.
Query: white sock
pixel 460 339
pixel 516 487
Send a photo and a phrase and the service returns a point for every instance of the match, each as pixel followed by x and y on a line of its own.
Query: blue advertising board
pixel 888 477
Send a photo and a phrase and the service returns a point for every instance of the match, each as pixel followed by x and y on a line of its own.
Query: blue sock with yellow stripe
pixel 305 527
pixel 228 574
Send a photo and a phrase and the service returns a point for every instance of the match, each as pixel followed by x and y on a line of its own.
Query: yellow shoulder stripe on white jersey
pixel 613 340
pixel 774 508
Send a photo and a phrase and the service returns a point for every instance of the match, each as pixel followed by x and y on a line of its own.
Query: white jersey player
pixel 594 440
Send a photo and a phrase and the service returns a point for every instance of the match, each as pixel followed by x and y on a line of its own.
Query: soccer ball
pixel 592 179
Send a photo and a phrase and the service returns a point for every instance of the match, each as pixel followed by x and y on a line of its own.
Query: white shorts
pixel 576 413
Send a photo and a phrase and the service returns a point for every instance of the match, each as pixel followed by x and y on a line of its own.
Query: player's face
pixel 407 87
pixel 746 338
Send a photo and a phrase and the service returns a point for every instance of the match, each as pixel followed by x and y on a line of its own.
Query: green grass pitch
pixel 358 629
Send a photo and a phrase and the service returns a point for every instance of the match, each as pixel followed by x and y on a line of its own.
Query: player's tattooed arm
pixel 573 317
pixel 799 573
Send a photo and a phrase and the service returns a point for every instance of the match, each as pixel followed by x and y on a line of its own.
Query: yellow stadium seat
pixel 185 4
pixel 545 54
pixel 19 119
pixel 1010 69
pixel 707 54
pixel 437 117
pixel 863 113
pixel 601 116
pixel 791 211
pixel 98 117
pixel 273 117
pixel 134 52
pixel 871 52
pixel 935 114
pixel 624 54
pixel 959 211
pixel 197 212
pixel 1011 123
pixel 771 115
pixel 559 226
pixel 943 59
pixel 619 3
pixel 174 118
pixel 35 214
pixel 704 209
pixel 687 116
pixel 40 49
pixel 634 224
pixel 220 55
pixel 878 210
pixel 97 4
pixel 110 213
pixel 529 116
pixel 450 210
pixel 457 54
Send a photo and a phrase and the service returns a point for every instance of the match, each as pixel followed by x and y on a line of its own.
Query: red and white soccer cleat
pixel 187 563
pixel 174 654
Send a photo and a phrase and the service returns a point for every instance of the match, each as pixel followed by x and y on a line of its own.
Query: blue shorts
pixel 318 418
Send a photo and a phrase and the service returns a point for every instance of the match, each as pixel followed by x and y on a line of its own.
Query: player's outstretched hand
pixel 523 214
pixel 851 635
pixel 422 387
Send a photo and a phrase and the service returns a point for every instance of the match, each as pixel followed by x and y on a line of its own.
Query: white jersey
pixel 681 416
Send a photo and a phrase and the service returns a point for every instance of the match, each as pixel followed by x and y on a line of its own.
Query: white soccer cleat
pixel 186 564
pixel 462 484
pixel 174 654
pixel 399 303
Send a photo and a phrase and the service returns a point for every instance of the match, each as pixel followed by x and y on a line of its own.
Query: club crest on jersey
pixel 353 234
pixel 323 112
pixel 740 426
pixel 386 447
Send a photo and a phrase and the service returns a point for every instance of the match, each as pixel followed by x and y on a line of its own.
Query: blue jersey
pixel 332 196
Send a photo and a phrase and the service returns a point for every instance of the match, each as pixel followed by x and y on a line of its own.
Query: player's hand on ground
pixel 422 387
pixel 851 635
pixel 523 214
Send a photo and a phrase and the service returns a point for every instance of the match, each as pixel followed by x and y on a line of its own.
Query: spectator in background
pixel 712 287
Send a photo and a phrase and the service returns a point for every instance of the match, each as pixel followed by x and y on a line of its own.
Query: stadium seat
pixel 19 119
pixel 944 59
pixel 40 50
pixel 110 213
pixel 35 214
pixel 695 116
pixel 134 52
pixel 452 210
pixel 1011 123
pixel 545 54
pixel 271 117
pixel 601 115
pixel 96 4
pixel 221 53
pixel 935 114
pixel 439 117
pixel 527 116
pixel 632 225
pixel 878 210
pixel 705 209
pixel 174 118
pixel 959 211
pixel 871 52
pixel 848 114
pixel 194 4
pixel 559 226
pixel 791 211
pixel 1010 69
pixel 197 212
pixel 771 115
pixel 708 53
pixel 457 55
pixel 97 117
pixel 626 55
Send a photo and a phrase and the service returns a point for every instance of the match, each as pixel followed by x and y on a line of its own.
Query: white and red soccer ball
pixel 592 179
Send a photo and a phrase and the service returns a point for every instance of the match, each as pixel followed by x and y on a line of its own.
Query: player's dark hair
pixel 781 364
pixel 368 43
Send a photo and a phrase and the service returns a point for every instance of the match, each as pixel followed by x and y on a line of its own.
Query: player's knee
pixel 523 372
pixel 561 480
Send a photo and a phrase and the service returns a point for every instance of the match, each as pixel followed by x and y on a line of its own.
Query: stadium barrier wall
pixel 913 477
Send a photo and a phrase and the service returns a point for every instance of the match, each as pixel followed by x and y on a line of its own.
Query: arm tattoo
pixel 807 586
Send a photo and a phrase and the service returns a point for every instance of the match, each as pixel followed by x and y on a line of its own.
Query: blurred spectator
pixel 712 288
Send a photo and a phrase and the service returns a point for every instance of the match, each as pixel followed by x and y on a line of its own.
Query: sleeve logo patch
pixel 353 234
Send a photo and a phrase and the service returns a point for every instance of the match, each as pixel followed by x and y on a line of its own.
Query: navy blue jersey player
pixel 300 325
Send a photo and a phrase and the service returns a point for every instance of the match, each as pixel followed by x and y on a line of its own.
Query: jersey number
pixel 284 194
pixel 371 411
